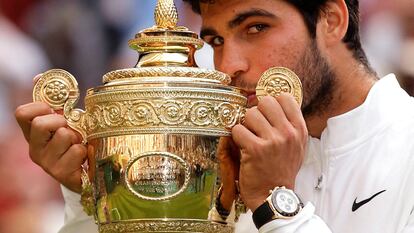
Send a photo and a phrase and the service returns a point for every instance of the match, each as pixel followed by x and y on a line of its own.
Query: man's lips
pixel 250 96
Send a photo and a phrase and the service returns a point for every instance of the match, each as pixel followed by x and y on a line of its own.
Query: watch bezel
pixel 268 212
pixel 278 209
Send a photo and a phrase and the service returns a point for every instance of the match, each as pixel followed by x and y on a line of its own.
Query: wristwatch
pixel 282 203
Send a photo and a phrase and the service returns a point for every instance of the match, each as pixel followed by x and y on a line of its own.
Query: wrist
pixel 282 203
pixel 254 204
pixel 227 198
pixel 223 203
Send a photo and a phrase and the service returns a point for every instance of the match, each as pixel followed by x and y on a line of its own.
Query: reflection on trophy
pixel 152 132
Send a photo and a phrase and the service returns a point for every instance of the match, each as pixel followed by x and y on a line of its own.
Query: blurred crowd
pixel 89 38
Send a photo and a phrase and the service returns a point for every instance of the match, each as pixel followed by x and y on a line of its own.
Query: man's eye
pixel 216 41
pixel 256 28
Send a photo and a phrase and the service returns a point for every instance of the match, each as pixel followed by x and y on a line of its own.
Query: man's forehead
pixel 212 8
pixel 231 13
pixel 208 6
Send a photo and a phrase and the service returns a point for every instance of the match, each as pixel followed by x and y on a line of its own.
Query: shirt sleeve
pixel 409 228
pixel 213 215
pixel 76 220
pixel 305 221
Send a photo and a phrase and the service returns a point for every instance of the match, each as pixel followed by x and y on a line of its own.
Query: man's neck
pixel 351 90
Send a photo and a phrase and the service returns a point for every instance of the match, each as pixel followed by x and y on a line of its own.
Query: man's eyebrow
pixel 241 17
pixel 207 31
pixel 237 20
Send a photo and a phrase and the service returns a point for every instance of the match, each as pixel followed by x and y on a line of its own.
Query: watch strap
pixel 219 207
pixel 262 215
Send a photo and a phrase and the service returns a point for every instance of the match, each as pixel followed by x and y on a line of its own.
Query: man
pixel 352 172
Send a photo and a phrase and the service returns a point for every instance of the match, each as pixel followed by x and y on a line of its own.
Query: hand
pixel 229 157
pixel 272 142
pixel 52 145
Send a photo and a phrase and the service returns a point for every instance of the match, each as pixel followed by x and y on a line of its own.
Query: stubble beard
pixel 318 81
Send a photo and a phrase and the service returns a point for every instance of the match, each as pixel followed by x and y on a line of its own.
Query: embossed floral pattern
pixel 276 86
pixel 166 226
pixel 56 91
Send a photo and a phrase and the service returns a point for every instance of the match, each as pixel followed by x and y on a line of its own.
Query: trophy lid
pixel 166 93
pixel 166 50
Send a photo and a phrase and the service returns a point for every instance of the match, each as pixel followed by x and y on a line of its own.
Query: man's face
pixel 251 36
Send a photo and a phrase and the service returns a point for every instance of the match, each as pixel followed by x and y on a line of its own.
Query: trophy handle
pixel 59 89
pixel 87 194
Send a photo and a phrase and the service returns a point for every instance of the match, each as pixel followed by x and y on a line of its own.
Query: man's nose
pixel 232 61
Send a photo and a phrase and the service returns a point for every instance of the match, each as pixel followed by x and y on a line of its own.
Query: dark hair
pixel 311 11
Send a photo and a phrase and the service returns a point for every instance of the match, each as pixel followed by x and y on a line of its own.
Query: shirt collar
pixel 351 128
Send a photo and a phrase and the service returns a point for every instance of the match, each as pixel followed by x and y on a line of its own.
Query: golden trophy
pixel 152 132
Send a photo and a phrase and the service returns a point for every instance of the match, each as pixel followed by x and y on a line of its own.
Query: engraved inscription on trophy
pixel 157 176
pixel 152 133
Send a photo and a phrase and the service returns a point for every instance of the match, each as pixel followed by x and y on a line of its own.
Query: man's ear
pixel 333 23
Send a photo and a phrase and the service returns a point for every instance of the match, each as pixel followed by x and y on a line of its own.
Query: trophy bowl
pixel 152 133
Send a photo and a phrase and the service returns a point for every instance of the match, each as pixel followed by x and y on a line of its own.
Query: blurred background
pixel 89 38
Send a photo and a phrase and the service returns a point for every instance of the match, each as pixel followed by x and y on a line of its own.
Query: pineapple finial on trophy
pixel 166 43
pixel 166 15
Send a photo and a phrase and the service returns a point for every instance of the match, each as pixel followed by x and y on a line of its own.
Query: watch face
pixel 285 202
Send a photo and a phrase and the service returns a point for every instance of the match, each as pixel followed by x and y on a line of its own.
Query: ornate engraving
pixel 177 111
pixel 277 86
pixel 166 15
pixel 155 115
pixel 56 91
pixel 114 114
pixel 54 88
pixel 142 113
pixel 184 72
pixel 279 80
pixel 94 118
pixel 228 114
pixel 172 112
pixel 59 89
pixel 202 113
pixel 172 40
pixel 170 225
pixel 157 176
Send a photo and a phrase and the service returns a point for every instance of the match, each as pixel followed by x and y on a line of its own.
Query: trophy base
pixel 166 226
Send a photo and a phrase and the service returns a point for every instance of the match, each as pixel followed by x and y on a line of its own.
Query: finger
pixel 227 148
pixel 243 137
pixel 43 127
pixel 229 156
pixel 272 111
pixel 257 123
pixel 26 113
pixel 61 141
pixel 292 110
pixel 68 168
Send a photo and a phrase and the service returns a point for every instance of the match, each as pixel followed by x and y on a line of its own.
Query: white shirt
pixel 360 154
